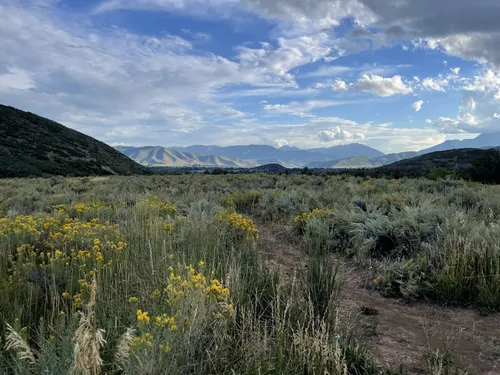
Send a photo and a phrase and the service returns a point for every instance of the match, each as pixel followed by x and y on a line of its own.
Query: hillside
pixel 458 160
pixel 348 163
pixel 33 146
pixel 166 157
pixel 363 161
pixel 486 140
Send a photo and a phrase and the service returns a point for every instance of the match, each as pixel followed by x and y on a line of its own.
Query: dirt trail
pixel 402 333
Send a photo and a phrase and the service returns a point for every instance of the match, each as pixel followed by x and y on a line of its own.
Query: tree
pixel 486 168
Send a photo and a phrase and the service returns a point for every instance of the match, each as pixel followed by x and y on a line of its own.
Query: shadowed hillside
pixel 458 161
pixel 33 146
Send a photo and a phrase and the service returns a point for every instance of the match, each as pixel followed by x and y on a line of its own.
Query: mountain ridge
pixel 34 146
pixel 158 156
pixel 265 154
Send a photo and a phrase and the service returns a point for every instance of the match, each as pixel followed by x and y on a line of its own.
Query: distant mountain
pixel 288 156
pixel 348 163
pixel 166 157
pixel 348 151
pixel 362 161
pixel 486 140
pixel 33 146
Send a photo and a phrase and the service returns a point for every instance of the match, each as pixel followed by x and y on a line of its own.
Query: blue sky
pixel 396 75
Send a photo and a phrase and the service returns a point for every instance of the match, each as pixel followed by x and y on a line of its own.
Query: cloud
pixel 467 29
pixel 289 54
pixel 455 71
pixel 293 15
pixel 339 85
pixel 16 79
pixel 381 86
pixel 108 76
pixel 338 135
pixel 301 108
pixel 435 84
pixel 417 106
pixel 448 125
pixel 280 142
pixel 478 108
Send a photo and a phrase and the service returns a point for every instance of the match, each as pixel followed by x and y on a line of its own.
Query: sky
pixel 396 75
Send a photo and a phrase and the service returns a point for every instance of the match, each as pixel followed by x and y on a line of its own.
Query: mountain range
pixel 242 156
pixel 31 145
pixel 348 156
pixel 167 157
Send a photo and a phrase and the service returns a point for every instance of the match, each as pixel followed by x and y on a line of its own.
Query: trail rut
pixel 401 333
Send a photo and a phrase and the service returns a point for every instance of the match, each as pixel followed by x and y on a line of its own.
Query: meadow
pixel 174 274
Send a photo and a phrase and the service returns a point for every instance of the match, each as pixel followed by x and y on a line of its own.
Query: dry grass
pixel 88 340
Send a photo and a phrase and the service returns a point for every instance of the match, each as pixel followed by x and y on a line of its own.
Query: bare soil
pixel 399 333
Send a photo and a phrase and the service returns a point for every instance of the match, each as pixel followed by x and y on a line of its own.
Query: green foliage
pixel 486 168
pixel 180 285
pixel 33 146
pixel 440 173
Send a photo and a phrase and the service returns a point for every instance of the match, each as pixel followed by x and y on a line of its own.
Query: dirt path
pixel 401 333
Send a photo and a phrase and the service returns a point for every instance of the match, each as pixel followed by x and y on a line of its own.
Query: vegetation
pixel 33 146
pixel 164 274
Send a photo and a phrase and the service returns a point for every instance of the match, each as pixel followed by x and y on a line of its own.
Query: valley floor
pixel 249 274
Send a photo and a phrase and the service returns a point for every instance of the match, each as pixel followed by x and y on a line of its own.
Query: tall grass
pixel 158 237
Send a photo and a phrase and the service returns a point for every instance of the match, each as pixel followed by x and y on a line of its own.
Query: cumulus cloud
pixel 478 108
pixel 455 70
pixel 417 106
pixel 289 54
pixel 280 142
pixel 381 86
pixel 339 85
pixel 108 76
pixel 469 29
pixel 338 135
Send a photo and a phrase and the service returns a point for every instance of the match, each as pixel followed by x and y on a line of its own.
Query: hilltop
pixel 33 146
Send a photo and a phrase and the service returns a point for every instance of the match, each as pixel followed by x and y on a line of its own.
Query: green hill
pixel 166 157
pixel 458 161
pixel 33 146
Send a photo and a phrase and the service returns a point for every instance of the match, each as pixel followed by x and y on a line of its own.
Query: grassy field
pixel 166 274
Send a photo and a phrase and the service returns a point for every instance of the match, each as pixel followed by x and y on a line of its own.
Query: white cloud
pixel 280 142
pixel 437 84
pixel 480 100
pixel 16 79
pixel 417 106
pixel 428 121
pixel 339 85
pixel 301 108
pixel 107 76
pixel 338 135
pixel 289 54
pixel 448 125
pixel 468 29
pixel 328 71
pixel 381 86
pixel 455 71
